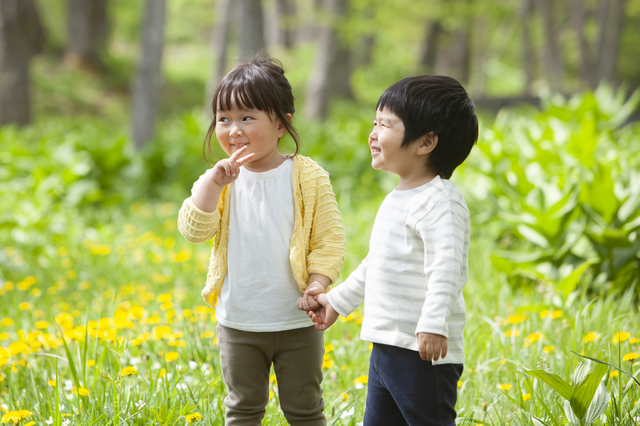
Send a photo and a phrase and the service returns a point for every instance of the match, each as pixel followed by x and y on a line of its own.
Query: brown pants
pixel 246 359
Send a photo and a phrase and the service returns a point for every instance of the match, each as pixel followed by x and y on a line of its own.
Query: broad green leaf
pixel 583 392
pixel 598 405
pixel 569 284
pixel 553 380
pixel 533 236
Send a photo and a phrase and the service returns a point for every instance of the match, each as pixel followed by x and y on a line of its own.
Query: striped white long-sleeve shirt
pixel 411 281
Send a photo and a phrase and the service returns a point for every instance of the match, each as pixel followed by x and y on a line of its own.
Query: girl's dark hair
pixel 259 84
pixel 438 104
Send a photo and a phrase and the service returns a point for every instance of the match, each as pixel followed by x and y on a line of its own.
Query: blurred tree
pixel 332 72
pixel 252 39
pixel 525 15
pixel 552 47
pixel 611 23
pixel 148 81
pixel 37 34
pixel 285 14
pixel 87 32
pixel 429 50
pixel 219 48
pixel 15 100
pixel 461 47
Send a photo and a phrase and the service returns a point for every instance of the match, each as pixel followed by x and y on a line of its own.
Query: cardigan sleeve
pixel 327 243
pixel 196 225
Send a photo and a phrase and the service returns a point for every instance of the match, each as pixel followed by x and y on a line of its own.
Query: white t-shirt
pixel 259 293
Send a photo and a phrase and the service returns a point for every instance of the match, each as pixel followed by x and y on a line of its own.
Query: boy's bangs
pixel 393 102
pixel 245 96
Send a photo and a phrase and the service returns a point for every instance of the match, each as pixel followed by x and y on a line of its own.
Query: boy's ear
pixel 427 144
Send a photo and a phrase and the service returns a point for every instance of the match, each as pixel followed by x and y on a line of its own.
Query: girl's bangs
pixel 246 96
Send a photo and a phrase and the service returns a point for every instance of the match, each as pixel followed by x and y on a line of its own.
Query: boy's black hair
pixel 259 84
pixel 438 104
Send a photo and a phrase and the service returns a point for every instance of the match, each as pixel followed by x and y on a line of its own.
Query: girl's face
pixel 257 130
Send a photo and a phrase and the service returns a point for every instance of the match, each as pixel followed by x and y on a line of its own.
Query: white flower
pixel 193 365
pixel 61 407
pixel 359 385
pixel 181 386
pixel 68 385
pixel 50 421
pixel 206 372
pixel 140 404
pixel 66 422
pixel 348 413
pixel 205 367
pixel 156 366
pixel 134 361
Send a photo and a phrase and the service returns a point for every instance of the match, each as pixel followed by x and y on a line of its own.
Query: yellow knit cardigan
pixel 318 241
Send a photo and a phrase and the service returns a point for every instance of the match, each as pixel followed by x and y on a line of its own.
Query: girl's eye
pixel 247 118
pixel 224 119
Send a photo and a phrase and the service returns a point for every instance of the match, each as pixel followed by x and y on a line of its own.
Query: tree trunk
pixel 15 102
pixel 527 46
pixel 87 31
pixel 36 31
pixel 331 75
pixel 148 82
pixel 219 48
pixel 553 52
pixel 252 29
pixel 429 51
pixel 578 17
pixel 610 34
pixel 285 11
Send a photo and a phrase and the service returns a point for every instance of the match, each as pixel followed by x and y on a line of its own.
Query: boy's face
pixel 385 142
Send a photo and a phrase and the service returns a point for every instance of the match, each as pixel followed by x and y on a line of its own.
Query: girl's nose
pixel 235 132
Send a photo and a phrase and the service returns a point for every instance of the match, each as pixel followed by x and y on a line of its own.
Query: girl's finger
pixel 238 153
pixel 244 159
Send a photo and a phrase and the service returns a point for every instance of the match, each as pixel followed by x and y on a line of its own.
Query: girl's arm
pixel 199 217
pixel 327 244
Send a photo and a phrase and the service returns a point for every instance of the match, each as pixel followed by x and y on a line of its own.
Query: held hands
pixel 431 346
pixel 226 171
pixel 316 304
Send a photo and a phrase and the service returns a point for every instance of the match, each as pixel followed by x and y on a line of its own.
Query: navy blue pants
pixel 405 390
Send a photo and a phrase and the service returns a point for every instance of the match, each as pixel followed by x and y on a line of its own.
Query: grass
pixel 111 323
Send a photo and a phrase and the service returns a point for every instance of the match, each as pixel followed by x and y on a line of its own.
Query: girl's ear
pixel 427 144
pixel 282 129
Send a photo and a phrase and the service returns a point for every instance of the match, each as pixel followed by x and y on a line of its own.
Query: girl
pixel 277 232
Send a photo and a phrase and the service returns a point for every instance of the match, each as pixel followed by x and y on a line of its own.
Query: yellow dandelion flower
pixel 162 373
pixel 164 297
pixel 548 349
pixel 328 348
pixel 363 380
pixel 631 356
pixel 512 333
pixel 171 356
pixel 526 396
pixel 100 249
pixel 41 325
pixel 182 256
pixel 166 306
pixel 504 387
pixel 51 382
pixel 328 364
pixel 91 363
pixel 207 335
pixel 159 278
pixel 83 392
pixel 459 384
pixel 193 417
pixel 5 336
pixel 591 336
pixel 6 322
pixel 515 319
pixel 30 424
pixel 613 374
pixel 15 416
pixel 534 337
pixel 621 336
pixel 25 306
pixel 634 340
pixel 128 371
pixel 271 395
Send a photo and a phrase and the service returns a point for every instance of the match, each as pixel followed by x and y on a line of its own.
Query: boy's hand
pixel 308 300
pixel 432 347
pixel 325 315
pixel 227 170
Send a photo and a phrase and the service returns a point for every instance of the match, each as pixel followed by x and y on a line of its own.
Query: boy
pixel 411 281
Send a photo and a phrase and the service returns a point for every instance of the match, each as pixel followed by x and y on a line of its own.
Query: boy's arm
pixel 443 233
pixel 325 316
